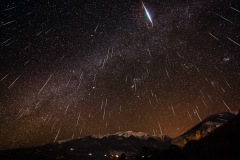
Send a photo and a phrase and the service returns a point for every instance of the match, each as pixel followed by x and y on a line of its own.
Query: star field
pixel 69 69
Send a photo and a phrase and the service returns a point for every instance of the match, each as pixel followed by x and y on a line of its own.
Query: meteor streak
pixel 147 13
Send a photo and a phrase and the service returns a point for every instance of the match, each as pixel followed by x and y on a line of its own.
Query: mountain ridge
pixel 202 129
pixel 111 146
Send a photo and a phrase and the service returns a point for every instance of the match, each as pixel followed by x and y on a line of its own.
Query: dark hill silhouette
pixel 205 127
pixel 222 143
pixel 92 147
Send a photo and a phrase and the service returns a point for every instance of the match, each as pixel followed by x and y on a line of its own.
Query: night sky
pixel 70 68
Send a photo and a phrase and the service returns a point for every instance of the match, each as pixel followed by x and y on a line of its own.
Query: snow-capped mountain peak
pixel 127 134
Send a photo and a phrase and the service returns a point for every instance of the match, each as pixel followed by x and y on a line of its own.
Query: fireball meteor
pixel 147 13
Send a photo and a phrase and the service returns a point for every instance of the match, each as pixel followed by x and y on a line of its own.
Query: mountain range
pixel 130 145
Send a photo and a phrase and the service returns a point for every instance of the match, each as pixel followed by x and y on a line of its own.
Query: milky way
pixel 71 68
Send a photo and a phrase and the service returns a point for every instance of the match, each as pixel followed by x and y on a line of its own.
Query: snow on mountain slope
pixel 93 147
pixel 113 145
pixel 127 142
pixel 141 135
pixel 202 129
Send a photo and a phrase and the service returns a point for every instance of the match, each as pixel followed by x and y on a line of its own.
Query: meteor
pixel 147 13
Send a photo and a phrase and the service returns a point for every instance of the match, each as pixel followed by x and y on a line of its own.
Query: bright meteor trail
pixel 70 69
pixel 148 14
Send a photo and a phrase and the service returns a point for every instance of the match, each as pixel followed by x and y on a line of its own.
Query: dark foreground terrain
pixel 93 147
pixel 216 137
pixel 222 143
